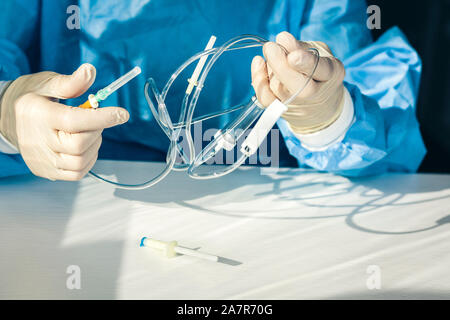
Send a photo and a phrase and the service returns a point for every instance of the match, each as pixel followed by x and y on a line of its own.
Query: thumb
pixel 68 86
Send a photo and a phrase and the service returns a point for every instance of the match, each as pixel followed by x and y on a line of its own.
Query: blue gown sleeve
pixel 18 26
pixel 383 79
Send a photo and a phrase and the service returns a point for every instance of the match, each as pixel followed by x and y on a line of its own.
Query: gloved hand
pixel 56 141
pixel 321 102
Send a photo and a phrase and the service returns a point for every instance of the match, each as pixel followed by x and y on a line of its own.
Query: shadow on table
pixel 177 187
pixel 34 216
pixel 378 191
pixel 305 187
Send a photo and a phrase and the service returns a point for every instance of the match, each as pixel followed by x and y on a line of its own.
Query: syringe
pixel 169 249
pixel 104 93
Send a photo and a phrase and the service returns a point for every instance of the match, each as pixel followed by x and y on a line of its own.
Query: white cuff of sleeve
pixel 321 140
pixel 5 145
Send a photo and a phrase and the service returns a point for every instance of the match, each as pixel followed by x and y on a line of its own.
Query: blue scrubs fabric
pixel 158 35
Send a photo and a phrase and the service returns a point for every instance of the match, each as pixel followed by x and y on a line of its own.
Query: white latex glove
pixel 321 102
pixel 56 141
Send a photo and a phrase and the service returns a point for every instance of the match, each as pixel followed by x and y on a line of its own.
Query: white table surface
pixel 294 234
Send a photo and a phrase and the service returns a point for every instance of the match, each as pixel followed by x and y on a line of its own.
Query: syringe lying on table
pixel 93 100
pixel 170 249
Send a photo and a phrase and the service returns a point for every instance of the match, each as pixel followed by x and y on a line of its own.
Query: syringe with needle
pixel 170 249
pixel 94 99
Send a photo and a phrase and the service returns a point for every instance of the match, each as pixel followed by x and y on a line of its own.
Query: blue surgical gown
pixel 158 35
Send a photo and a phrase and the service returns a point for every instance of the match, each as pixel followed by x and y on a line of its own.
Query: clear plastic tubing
pixel 173 130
